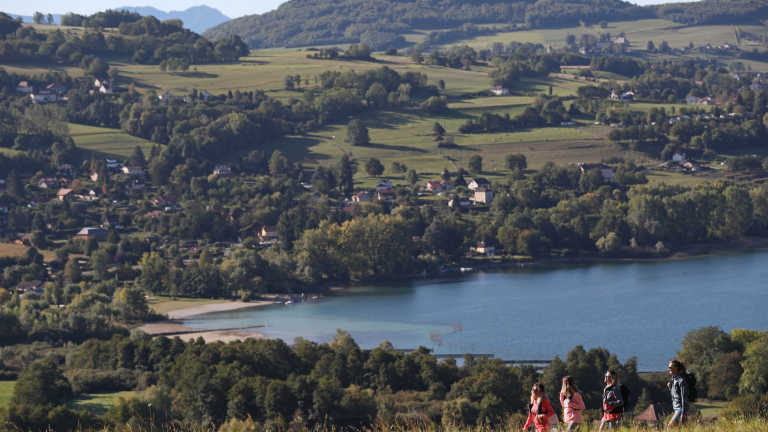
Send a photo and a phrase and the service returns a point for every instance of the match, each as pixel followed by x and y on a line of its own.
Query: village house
pixel 692 100
pixel 361 196
pixel 448 185
pixel 30 285
pixel 678 156
pixel 225 165
pixel 692 165
pixel 460 202
pixel 755 86
pixel 223 172
pixel 24 87
pixel 268 234
pixel 480 182
pixel 25 240
pixel 44 96
pixel 66 170
pixel 164 201
pixel 105 87
pixel 483 248
pixel 89 233
pixel 136 184
pixel 165 97
pixel 384 185
pixel 112 163
pixel 153 214
pixel 621 41
pixel 482 195
pixel 207 96
pixel 604 169
pixel 133 170
pixel 500 91
pixel 385 195
pixel 65 195
pixel 434 186
pixel 57 88
pixel 47 183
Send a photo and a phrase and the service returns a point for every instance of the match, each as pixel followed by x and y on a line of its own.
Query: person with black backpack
pixel 682 389
pixel 613 402
pixel 539 410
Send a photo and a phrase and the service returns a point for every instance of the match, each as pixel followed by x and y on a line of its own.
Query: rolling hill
pixel 326 22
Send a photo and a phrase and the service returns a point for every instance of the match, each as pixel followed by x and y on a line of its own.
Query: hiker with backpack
pixel 683 390
pixel 572 402
pixel 539 410
pixel 613 402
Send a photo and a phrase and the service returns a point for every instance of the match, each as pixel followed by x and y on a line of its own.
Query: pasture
pixel 162 304
pixel 105 142
pixel 11 250
pixel 6 391
pixel 97 404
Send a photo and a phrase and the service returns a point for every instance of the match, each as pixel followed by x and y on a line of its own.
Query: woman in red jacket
pixel 539 411
pixel 611 401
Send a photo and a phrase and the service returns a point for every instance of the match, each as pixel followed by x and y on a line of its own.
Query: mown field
pixel 105 142
pixel 6 391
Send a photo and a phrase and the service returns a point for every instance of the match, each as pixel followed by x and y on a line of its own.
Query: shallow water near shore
pixel 641 309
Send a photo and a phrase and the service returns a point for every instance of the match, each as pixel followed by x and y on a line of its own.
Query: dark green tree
pixel 475 163
pixel 42 383
pixel 374 167
pixel 357 133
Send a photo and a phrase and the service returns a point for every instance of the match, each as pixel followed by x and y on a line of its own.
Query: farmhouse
pixel 459 202
pixel 268 234
pixel 500 91
pixel 435 186
pixel 483 248
pixel 480 182
pixel 112 163
pixel 56 88
pixel 24 87
pixel 65 194
pixel 604 169
pixel 163 201
pixel 47 183
pixel 66 170
pixel 678 156
pixel 384 185
pixel 482 195
pixel 132 170
pixel 361 196
pixel 386 195
pixel 44 96
pixel 89 233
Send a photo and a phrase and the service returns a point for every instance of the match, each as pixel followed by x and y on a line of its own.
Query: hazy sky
pixel 230 8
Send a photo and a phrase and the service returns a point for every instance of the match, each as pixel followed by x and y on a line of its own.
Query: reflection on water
pixel 536 312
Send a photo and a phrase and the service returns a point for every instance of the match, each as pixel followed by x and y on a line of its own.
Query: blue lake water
pixel 641 309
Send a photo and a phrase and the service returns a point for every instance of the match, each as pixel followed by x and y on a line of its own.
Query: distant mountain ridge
pixel 197 18
pixel 326 22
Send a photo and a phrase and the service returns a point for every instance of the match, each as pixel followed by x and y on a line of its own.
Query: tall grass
pixel 248 425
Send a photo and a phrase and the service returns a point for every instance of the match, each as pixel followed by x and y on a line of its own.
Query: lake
pixel 641 309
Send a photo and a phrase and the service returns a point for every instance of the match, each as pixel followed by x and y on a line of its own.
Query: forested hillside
pixel 322 22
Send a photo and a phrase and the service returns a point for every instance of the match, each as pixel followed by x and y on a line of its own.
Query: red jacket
pixel 533 416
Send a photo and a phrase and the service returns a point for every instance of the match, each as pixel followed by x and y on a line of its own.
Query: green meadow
pixel 105 142
pixel 6 391
pixel 98 404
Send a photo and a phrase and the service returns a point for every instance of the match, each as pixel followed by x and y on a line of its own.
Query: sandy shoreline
pixel 212 308
pixel 176 328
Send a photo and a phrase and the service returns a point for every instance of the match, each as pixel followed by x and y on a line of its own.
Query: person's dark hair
pixel 681 370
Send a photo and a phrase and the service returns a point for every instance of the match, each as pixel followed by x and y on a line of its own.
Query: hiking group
pixel 615 400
